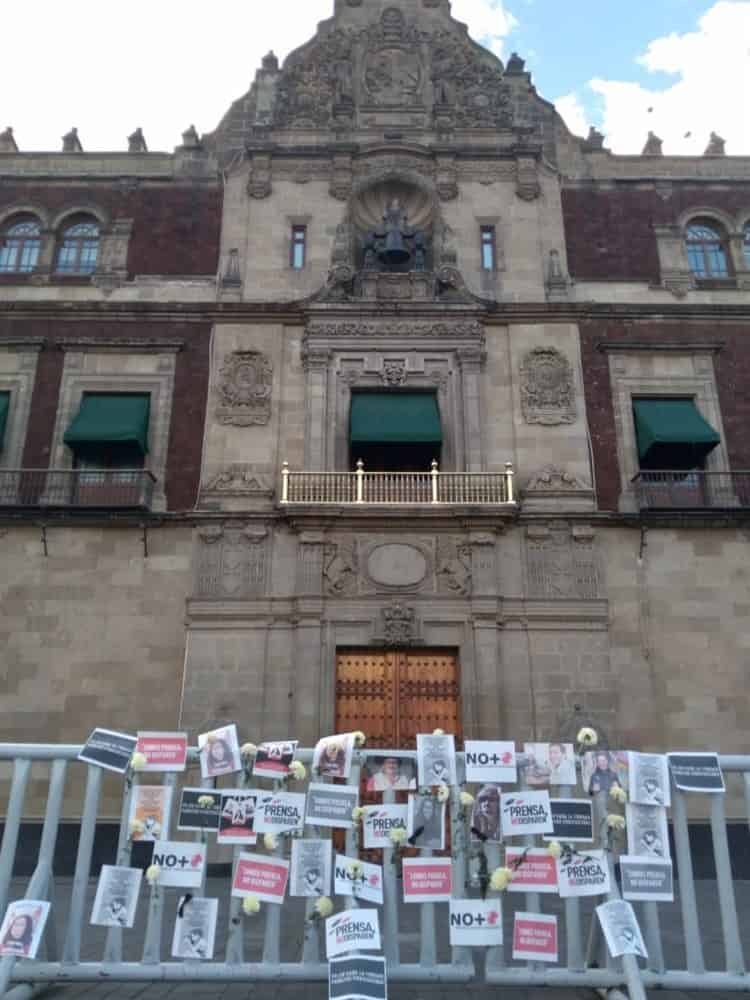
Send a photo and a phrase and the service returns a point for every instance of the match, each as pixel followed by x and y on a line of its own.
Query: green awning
pixel 109 422
pixel 395 417
pixel 672 434
pixel 4 407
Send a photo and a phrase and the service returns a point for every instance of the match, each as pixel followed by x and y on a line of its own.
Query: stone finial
pixel 7 142
pixel 594 140
pixel 653 145
pixel 71 142
pixel 271 62
pixel 716 146
pixel 515 64
pixel 190 139
pixel 137 142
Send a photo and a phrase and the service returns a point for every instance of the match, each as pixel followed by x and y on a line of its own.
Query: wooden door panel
pixel 365 696
pixel 428 695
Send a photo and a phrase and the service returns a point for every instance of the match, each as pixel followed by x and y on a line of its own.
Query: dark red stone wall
pixel 188 405
pixel 731 364
pixel 176 225
pixel 609 233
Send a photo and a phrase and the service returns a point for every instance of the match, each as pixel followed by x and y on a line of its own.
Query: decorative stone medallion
pixel 395 565
pixel 245 385
pixel 547 388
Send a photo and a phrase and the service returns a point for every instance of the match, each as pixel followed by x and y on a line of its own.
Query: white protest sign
pixel 331 805
pixel 476 923
pixel 279 812
pixel 621 929
pixel 525 813
pixel 352 930
pixel 358 878
pixel 585 874
pixel 181 862
pixel 490 761
pixel 647 879
pixel 379 821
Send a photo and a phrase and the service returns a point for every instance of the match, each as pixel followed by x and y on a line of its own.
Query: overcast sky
pixel 679 67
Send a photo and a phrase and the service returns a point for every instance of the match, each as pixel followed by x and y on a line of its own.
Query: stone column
pixel 470 360
pixel 315 363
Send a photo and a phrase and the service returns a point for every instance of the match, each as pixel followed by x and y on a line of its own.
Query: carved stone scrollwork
pixel 547 388
pixel 562 562
pixel 245 385
pixel 399 625
pixel 340 569
pixel 259 182
pixel 238 480
pixel 232 561
pixel 454 574
pixel 393 373
pixel 527 179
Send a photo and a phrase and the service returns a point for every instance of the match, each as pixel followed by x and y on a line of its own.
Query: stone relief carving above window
pixel 245 386
pixel 547 388
pixel 399 625
pixel 238 480
pixel 394 373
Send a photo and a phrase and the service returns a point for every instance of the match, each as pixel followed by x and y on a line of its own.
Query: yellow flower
pixel 138 761
pixel 615 822
pixel 501 879
pixel 358 814
pixel 205 801
pixel 397 836
pixel 554 849
pixel 354 871
pixel 618 794
pixel 438 732
pixel 152 874
pixel 323 907
pixel 136 827
pixel 359 738
pixel 248 750
pixel 587 737
pixel 270 841
pixel 250 905
pixel 467 799
pixel 297 770
pixel 443 793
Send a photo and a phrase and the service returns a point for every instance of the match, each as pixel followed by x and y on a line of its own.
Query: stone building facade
pixel 392 222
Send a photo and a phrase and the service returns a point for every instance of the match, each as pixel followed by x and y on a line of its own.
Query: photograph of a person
pixel 116 911
pixel 22 928
pixel 550 764
pixel 333 756
pixel 397 773
pixel 193 944
pixel 17 939
pixel 602 771
pixel 220 752
pixel 313 881
pixel 485 816
pixel 426 822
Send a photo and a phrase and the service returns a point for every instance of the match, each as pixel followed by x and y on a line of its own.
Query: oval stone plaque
pixel 397 565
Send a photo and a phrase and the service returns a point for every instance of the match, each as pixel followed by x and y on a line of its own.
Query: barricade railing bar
pixel 291 948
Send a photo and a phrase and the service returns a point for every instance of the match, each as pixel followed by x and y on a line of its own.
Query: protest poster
pixel 425 824
pixel 22 928
pixel 572 820
pixel 648 836
pixel 200 810
pixel 491 761
pixel 427 880
pixel 237 815
pixel 272 760
pixel 332 757
pixel 379 821
pixel 150 807
pixel 583 874
pixel 181 863
pixel 696 772
pixel 163 751
pixel 260 875
pixel 109 750
pixel 390 773
pixel 647 879
pixel 352 930
pixel 476 923
pixel 525 813
pixel 602 770
pixel 649 779
pixel 621 929
pixel 331 805
pixel 485 815
pixel 550 764
pixel 279 812
pixel 116 896
pixel 357 977
pixel 536 871
pixel 436 760
pixel 534 937
pixel 311 868
pixel 358 878
pixel 219 752
pixel 195 928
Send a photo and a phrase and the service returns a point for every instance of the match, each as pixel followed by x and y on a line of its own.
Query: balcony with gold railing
pixel 404 489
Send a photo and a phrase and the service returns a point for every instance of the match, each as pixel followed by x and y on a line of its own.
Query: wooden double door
pixel 391 695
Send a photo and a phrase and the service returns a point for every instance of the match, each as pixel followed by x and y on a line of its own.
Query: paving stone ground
pixel 93 941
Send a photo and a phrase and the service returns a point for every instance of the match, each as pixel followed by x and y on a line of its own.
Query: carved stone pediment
pixel 238 480
pixel 245 385
pixel 547 388
pixel 553 488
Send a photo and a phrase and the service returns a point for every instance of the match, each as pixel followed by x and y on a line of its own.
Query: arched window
pixel 707 250
pixel 79 246
pixel 20 244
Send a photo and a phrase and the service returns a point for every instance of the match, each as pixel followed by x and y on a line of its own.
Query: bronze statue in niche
pixel 395 245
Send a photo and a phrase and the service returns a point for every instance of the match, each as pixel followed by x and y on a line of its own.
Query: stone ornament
pixel 454 570
pixel 245 386
pixel 232 561
pixel 237 480
pixel 551 479
pixel 562 563
pixel 340 569
pixel 399 625
pixel 393 373
pixel 547 388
